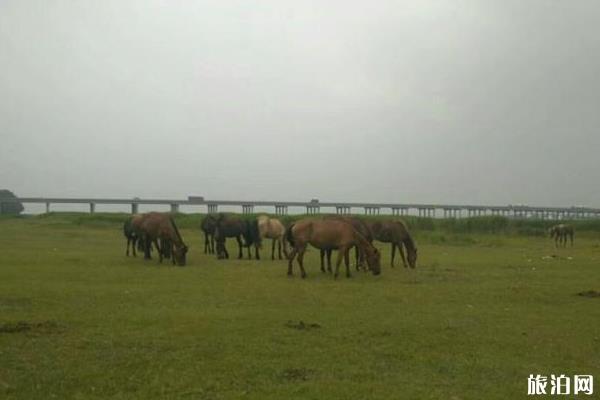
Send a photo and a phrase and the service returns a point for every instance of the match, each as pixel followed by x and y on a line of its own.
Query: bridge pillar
pixel 372 210
pixel 92 208
pixel 134 208
pixel 212 208
pixel 281 210
pixel 342 210
pixel 47 208
pixel 312 210
pixel 174 208
pixel 247 208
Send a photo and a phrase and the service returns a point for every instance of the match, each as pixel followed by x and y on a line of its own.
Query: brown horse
pixel 230 226
pixel 208 226
pixel 362 228
pixel 156 226
pixel 329 235
pixel 396 233
pixel 560 233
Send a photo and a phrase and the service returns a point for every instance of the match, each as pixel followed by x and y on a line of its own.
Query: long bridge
pixel 314 206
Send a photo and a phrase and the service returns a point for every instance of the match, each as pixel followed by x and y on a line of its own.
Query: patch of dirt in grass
pixel 42 328
pixel 296 374
pixel 589 293
pixel 302 326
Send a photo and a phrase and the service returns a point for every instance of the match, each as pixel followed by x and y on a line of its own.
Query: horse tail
pixel 289 236
pixel 127 228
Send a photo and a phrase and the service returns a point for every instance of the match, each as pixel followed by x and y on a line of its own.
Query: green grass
pixel 479 314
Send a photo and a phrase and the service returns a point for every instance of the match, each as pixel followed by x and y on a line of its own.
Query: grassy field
pixel 480 313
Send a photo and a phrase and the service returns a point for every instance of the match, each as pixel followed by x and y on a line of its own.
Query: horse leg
pixel 160 251
pixel 357 258
pixel 329 251
pixel 240 253
pixel 147 244
pixel 341 253
pixel 279 248
pixel 347 262
pixel 301 261
pixel 322 253
pixel 284 247
pixel 291 260
pixel 257 252
pixel 225 252
pixel 401 251
pixel 273 250
pixel 212 244
pixel 393 253
pixel 571 240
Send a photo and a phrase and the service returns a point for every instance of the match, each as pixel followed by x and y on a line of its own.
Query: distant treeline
pixel 490 224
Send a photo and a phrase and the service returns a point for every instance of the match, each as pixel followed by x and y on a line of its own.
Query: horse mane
pixel 361 239
pixel 408 241
pixel 176 230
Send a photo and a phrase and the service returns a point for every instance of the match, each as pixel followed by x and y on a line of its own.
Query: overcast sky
pixel 487 102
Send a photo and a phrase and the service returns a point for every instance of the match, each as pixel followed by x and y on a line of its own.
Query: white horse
pixel 272 228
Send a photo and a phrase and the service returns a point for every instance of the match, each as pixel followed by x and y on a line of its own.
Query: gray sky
pixel 490 102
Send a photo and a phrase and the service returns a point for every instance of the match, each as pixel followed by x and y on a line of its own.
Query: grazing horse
pixel 396 233
pixel 272 228
pixel 329 235
pixel 560 233
pixel 208 226
pixel 156 226
pixel 229 226
pixel 362 228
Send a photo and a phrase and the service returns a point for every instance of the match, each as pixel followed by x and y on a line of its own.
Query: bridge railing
pixel 316 207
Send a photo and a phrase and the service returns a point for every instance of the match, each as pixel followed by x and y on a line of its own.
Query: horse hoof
pixel 303 276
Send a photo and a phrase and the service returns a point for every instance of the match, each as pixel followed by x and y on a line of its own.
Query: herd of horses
pixel 157 231
pixel 560 233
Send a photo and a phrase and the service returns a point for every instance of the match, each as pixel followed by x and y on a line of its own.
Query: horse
pixel 396 233
pixel 228 226
pixel 560 233
pixel 329 235
pixel 272 228
pixel 208 225
pixel 362 228
pixel 156 226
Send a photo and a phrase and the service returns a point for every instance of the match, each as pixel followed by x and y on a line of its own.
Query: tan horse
pixel 560 233
pixel 272 228
pixel 362 228
pixel 329 235
pixel 156 226
pixel 396 233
